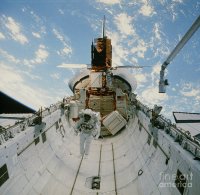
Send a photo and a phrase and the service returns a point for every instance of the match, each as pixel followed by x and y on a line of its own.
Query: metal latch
pixel 93 182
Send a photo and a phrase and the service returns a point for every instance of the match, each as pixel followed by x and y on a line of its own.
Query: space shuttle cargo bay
pixel 44 159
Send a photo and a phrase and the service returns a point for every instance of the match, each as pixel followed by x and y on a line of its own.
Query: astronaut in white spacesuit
pixel 88 127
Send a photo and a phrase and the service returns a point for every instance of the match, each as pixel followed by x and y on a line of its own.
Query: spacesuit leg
pixel 98 130
pixel 82 143
pixel 87 143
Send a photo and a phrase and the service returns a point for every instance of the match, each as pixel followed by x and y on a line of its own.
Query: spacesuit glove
pixel 96 137
pixel 75 133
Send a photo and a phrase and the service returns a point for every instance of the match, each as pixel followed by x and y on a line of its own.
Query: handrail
pixel 11 131
pixel 99 169
pixel 76 175
pixel 113 155
pixel 180 134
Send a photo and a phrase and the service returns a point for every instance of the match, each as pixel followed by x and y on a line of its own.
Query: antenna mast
pixel 103 27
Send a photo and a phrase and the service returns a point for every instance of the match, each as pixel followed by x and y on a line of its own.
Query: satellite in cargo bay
pixel 102 87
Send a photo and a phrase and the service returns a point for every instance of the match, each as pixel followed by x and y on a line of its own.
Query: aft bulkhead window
pixel 37 140
pixel 155 144
pixel 57 125
pixel 180 182
pixel 44 138
pixel 3 174
pixel 140 126
pixel 149 139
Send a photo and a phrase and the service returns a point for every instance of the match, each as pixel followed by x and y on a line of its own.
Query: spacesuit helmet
pixel 87 117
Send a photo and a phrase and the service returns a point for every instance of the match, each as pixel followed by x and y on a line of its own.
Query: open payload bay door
pixel 189 122
pixel 9 105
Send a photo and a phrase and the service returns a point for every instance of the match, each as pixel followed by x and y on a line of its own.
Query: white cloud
pixel 151 96
pixel 173 89
pixel 156 31
pixel 61 11
pixel 140 49
pixel 35 16
pixel 41 54
pixel 2 36
pixel 27 63
pixel 55 76
pixel 191 93
pixel 172 8
pixel 109 2
pixel 189 90
pixel 37 35
pixel 124 24
pixel 156 69
pixel 15 30
pixel 30 75
pixel 13 84
pixel 67 50
pixel 146 9
pixel 9 57
pixel 66 81
pixel 24 9
pixel 37 22
pixel 9 75
pixel 178 1
pixel 58 35
pixel 133 60
pixel 119 52
pixel 155 74
pixel 141 78
pixel 198 99
pixel 43 29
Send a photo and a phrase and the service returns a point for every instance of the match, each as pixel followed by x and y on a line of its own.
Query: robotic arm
pixel 164 82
